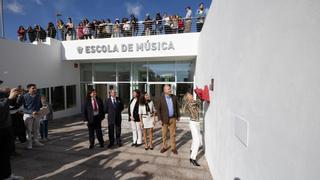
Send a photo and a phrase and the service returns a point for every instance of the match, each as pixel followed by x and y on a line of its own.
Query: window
pixel 162 71
pixel 105 72
pixel 124 70
pixel 71 96
pixel 139 71
pixel 57 98
pixel 44 92
pixel 185 71
pixel 124 93
pixel 86 72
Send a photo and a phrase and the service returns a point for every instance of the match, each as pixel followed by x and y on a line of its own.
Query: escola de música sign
pixel 131 47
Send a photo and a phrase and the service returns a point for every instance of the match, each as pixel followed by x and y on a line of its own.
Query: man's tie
pixel 95 107
pixel 113 102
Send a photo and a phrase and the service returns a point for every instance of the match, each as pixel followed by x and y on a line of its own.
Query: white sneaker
pixel 13 177
pixel 29 145
pixel 37 143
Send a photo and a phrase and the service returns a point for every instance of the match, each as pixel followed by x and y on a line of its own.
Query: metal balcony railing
pixel 129 29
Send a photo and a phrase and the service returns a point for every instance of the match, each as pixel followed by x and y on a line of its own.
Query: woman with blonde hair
pixel 147 118
pixel 192 109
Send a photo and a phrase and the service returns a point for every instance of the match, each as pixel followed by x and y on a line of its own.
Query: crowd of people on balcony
pixel 161 24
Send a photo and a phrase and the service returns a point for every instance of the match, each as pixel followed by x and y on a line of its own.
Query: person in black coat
pixel 134 118
pixel 114 107
pixel 6 100
pixel 31 34
pixel 94 114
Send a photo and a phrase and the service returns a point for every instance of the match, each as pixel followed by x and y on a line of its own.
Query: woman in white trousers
pixel 135 119
pixel 192 108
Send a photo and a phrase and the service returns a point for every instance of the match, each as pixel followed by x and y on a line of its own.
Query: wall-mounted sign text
pixel 131 47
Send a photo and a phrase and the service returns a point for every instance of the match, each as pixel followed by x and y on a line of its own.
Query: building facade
pixel 64 71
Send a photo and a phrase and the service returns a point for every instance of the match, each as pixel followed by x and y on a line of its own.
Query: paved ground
pixel 66 156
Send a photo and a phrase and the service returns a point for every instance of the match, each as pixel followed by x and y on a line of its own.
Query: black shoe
pixel 133 144
pixel 137 145
pixel 110 145
pixel 194 162
pixel 163 150
pixel 102 145
pixel 15 154
pixel 91 147
pixel 119 144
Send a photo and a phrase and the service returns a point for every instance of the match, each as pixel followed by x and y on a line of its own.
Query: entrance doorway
pixel 155 89
pixel 103 90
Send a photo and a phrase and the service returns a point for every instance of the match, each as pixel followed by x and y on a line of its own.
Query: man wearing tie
pixel 94 114
pixel 114 107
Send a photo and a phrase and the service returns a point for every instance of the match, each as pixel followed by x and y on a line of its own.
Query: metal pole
pixel 2 20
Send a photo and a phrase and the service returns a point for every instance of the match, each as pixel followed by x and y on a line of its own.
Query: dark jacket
pixel 114 111
pixel 5 119
pixel 135 111
pixel 88 110
pixel 162 109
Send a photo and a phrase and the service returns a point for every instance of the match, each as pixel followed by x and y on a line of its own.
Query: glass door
pixel 84 88
pixel 155 89
pixel 103 90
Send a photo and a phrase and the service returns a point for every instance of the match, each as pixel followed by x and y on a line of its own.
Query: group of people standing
pixel 22 117
pixel 142 113
pixel 105 28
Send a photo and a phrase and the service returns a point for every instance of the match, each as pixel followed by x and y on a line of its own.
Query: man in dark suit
pixel 168 113
pixel 94 114
pixel 114 107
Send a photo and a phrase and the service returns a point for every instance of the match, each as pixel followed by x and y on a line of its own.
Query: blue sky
pixel 31 12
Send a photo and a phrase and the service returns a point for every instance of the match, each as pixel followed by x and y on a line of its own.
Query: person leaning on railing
pixel 80 32
pixel 166 23
pixel 21 34
pixel 31 34
pixel 116 28
pixel 147 25
pixel 187 24
pixel 180 25
pixel 70 34
pixel 134 25
pixel 109 27
pixel 200 17
pixel 51 30
pixel 174 24
pixel 158 23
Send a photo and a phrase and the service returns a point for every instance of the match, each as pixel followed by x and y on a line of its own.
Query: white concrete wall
pixel 264 57
pixel 24 63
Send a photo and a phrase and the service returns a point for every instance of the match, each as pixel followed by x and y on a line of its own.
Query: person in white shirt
pixel 200 17
pixel 166 23
pixel 134 118
pixel 147 118
pixel 187 28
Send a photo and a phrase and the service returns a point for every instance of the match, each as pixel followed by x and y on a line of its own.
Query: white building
pixel 263 119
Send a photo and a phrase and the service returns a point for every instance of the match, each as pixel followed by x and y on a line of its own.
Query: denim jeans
pixel 44 129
